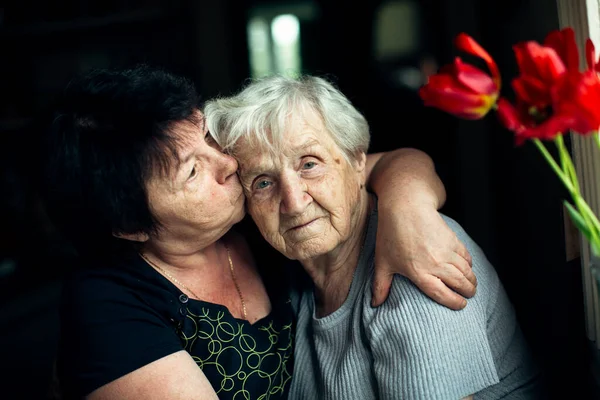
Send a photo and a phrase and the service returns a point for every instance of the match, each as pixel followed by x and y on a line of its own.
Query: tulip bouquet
pixel 552 97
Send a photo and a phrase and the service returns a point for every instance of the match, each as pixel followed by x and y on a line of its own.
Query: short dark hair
pixel 108 134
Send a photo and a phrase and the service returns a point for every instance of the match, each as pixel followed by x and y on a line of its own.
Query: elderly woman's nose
pixel 294 197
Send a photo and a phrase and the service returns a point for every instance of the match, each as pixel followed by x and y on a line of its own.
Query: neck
pixel 186 262
pixel 332 273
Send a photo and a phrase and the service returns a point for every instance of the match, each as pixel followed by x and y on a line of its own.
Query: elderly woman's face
pixel 305 199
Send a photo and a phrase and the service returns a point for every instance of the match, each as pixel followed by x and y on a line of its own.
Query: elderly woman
pixel 302 147
pixel 170 302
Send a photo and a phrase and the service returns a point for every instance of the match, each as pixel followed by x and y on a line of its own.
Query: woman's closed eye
pixel 193 172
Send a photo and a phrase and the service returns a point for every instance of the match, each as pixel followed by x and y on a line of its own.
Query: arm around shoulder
pixel 412 238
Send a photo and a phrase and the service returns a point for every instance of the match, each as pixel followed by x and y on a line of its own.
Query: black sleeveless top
pixel 118 318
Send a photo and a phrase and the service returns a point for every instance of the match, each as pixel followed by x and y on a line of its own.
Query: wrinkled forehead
pixel 250 154
pixel 282 134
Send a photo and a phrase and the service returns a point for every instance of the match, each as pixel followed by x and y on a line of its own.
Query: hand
pixel 416 243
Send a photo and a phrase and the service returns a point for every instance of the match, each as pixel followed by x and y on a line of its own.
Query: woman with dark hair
pixel 170 301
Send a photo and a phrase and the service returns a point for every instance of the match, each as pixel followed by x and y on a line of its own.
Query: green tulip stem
pixel 566 162
pixel 590 219
pixel 568 177
pixel 559 172
pixel 586 212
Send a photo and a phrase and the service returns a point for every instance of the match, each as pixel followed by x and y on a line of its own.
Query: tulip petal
pixel 549 129
pixel 532 91
pixel 551 66
pixel 563 42
pixel 467 44
pixel 578 96
pixel 538 61
pixel 474 78
pixel 509 116
pixel 460 103
pixel 524 61
pixel 590 54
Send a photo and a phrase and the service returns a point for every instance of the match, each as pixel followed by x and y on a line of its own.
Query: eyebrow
pixel 182 159
pixel 187 156
pixel 307 145
pixel 252 173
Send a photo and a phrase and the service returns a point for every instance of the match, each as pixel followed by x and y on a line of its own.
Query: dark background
pixel 505 196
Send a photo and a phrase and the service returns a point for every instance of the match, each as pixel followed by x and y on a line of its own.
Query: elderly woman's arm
pixel 412 238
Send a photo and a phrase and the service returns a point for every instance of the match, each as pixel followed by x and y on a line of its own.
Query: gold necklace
pixel 171 277
pixel 236 284
pixel 175 280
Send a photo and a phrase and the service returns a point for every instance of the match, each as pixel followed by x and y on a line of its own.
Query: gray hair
pixel 259 113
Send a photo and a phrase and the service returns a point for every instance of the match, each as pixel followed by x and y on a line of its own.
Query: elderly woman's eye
pixel 192 173
pixel 309 165
pixel 262 184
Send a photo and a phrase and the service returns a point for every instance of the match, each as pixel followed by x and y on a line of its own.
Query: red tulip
pixel 575 100
pixel 540 68
pixel 462 89
pixel 526 126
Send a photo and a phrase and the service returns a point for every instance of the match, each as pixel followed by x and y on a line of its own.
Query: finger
pixel 382 283
pixel 464 253
pixel 461 264
pixel 455 280
pixel 442 294
pixel 471 277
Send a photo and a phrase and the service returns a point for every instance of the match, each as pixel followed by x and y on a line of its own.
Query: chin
pixel 307 252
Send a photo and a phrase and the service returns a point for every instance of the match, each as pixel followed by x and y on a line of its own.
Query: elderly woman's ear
pixel 361 167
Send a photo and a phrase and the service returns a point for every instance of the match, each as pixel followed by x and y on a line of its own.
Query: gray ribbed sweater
pixel 411 347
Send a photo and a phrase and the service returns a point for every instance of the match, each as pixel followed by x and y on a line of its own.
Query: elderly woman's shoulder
pixel 482 267
pixel 409 302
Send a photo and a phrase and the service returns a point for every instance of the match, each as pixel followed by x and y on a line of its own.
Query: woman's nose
pixel 294 197
pixel 227 166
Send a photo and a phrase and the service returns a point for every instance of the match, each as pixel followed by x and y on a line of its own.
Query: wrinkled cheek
pixel 274 239
pixel 340 223
pixel 267 222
